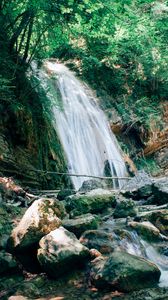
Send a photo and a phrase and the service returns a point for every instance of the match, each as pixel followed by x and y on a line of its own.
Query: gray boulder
pixel 139 187
pixel 91 184
pixel 41 217
pixel 160 191
pixel 60 252
pixel 123 272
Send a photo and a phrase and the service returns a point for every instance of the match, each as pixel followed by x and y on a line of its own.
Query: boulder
pixel 147 230
pixel 125 208
pixel 123 272
pixel 92 202
pixel 7 262
pixel 41 217
pixel 63 194
pixel 160 191
pixel 99 240
pixel 160 220
pixel 81 223
pixel 139 187
pixel 91 184
pixel 60 251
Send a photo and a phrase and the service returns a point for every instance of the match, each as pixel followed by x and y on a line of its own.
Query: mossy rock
pixel 160 220
pixel 83 204
pixel 147 230
pixel 124 272
pixel 125 208
pixel 82 223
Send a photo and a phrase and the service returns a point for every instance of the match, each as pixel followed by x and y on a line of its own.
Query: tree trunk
pixel 26 52
pixel 25 19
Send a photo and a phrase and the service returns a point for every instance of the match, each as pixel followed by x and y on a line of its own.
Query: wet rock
pixel 92 202
pixel 60 252
pixel 100 240
pixel 40 218
pixel 160 220
pixel 125 208
pixel 63 194
pixel 7 262
pixel 91 184
pixel 124 272
pixel 82 223
pixel 160 191
pixel 147 230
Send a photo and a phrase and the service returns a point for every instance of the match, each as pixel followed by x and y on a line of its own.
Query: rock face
pixel 60 251
pixel 80 224
pixel 123 272
pixel 7 262
pixel 125 208
pixel 40 218
pixel 89 203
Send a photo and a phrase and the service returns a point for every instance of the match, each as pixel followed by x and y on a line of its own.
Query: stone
pixel 92 202
pixel 81 223
pixel 7 262
pixel 63 194
pixel 162 158
pixel 40 218
pixel 160 220
pixel 139 187
pixel 91 184
pixel 123 272
pixel 147 230
pixel 60 252
pixel 125 208
pixel 100 240
pixel 160 191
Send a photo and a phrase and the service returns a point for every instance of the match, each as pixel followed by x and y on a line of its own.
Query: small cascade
pixel 82 126
pixel 132 243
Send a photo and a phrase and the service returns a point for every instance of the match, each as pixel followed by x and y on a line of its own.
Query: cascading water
pixel 83 129
pixel 132 243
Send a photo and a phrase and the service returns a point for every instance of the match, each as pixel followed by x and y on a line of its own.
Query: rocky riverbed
pixel 96 244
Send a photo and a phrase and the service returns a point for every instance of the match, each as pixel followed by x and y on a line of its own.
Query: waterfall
pixel 82 126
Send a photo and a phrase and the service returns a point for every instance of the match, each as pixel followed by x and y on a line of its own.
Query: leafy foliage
pixel 119 46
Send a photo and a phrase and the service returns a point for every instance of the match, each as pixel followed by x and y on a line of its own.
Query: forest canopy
pixel 119 45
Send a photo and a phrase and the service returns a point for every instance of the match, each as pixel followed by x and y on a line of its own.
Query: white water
pixel 82 127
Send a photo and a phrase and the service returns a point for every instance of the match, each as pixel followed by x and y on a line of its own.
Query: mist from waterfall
pixel 83 129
